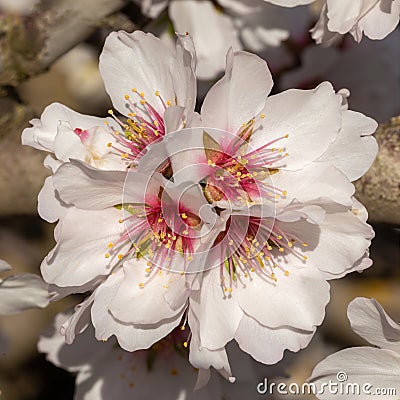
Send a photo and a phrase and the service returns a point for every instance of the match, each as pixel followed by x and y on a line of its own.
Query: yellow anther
pixel 141 285
pixel 183 327
pixel 269 248
pixel 142 102
pixel 305 258
pixel 305 244
pixel 111 112
pixel 230 290
pixel 148 270
pixel 290 244
pixel 286 136
pixel 134 90
pixel 279 237
pixel 262 116
pixel 286 273
pixel 157 93
pixel 109 144
pixel 284 193
pixel 185 344
pixel 169 102
pixel 184 216
pixel 107 255
pixel 141 94
pixel 125 155
pixel 127 97
pixel 281 249
pixel 110 245
pixel 120 256
pixel 120 221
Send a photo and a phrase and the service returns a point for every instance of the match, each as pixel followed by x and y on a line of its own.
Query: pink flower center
pixel 159 234
pixel 82 134
pixel 252 245
pixel 239 174
pixel 144 126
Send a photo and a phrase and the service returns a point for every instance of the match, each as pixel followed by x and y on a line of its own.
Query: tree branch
pixel 379 188
pixel 30 45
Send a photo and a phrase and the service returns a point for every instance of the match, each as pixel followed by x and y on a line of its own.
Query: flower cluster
pixel 227 223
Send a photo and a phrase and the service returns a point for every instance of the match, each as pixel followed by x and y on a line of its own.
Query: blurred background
pixel 49 52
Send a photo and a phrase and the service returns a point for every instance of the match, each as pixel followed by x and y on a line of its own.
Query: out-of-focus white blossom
pixel 371 368
pixel 20 7
pixel 105 371
pixel 366 69
pixel 373 18
pixel 256 25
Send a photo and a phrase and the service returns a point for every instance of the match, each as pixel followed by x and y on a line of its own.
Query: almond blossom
pixel 101 142
pixel 106 371
pixel 229 222
pixel 256 25
pixel 369 367
pixel 373 18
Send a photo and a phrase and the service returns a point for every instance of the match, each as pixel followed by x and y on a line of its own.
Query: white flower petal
pixel 201 357
pixel 370 321
pixel 218 313
pixel 297 300
pixel 130 337
pixel 50 207
pixel 362 365
pixel 135 304
pixel 83 240
pixel 335 245
pixel 71 357
pixel 310 118
pixel 320 32
pixel 233 101
pixel 252 338
pixel 67 144
pixel 212 43
pixel 87 187
pixel 78 321
pixel 42 135
pixel 21 292
pixel 354 149
pixel 153 70
pixel 289 3
pixel 316 183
